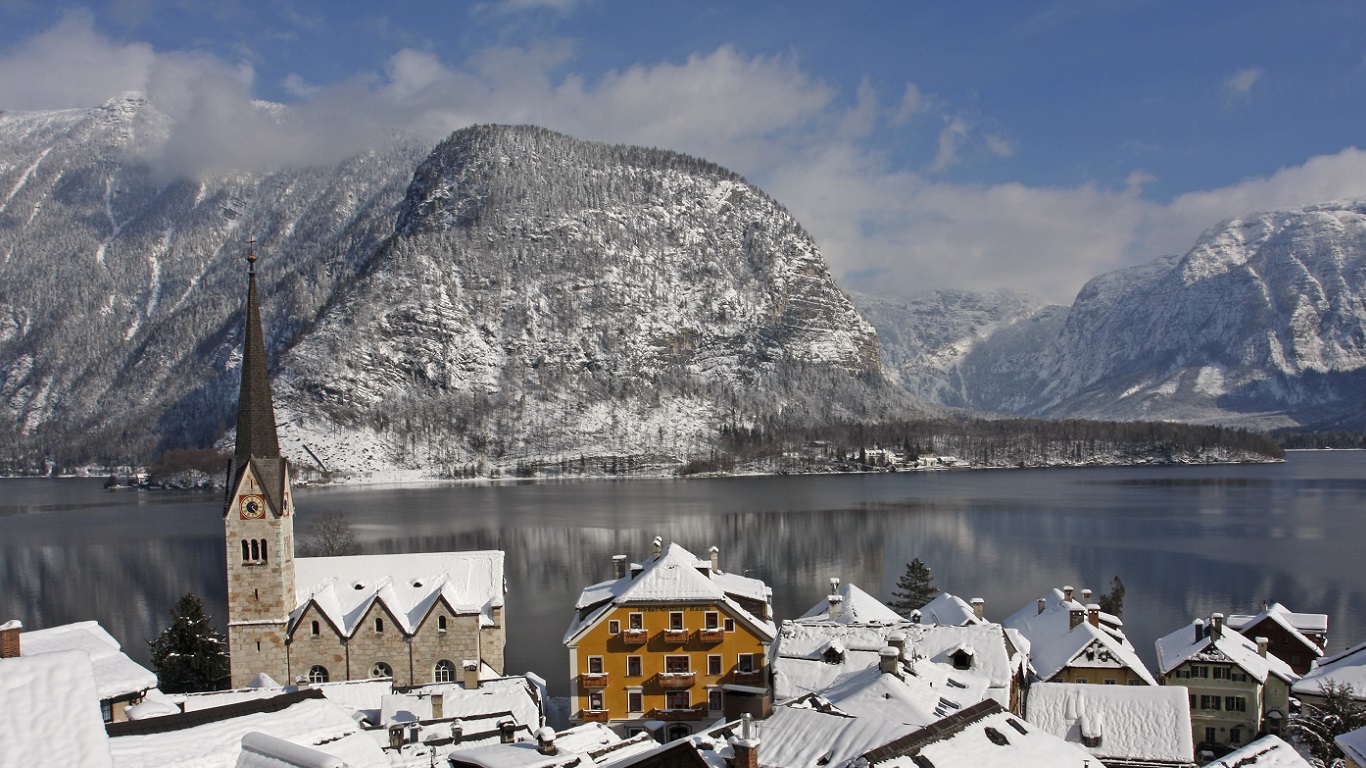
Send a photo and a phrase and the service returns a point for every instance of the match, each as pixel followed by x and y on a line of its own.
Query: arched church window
pixel 379 624
pixel 441 623
pixel 255 549
pixel 317 674
pixel 380 669
pixel 444 672
pixel 246 550
pixel 264 556
pixel 317 629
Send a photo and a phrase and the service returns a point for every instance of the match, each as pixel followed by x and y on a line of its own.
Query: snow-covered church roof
pixel 675 576
pixel 408 585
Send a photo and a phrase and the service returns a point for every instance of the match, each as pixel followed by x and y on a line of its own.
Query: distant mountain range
pixel 515 298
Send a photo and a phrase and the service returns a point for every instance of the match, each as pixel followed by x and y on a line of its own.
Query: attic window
pixel 358 585
pixel 1013 723
pixel 997 738
pixel 417 583
pixel 921 761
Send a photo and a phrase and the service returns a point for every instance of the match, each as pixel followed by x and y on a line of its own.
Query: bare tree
pixel 330 535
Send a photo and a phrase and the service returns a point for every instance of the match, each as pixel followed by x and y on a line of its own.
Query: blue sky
pixel 990 145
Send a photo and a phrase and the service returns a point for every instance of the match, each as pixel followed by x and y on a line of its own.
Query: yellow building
pixel 674 639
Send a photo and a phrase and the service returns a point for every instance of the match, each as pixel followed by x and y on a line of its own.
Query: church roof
pixel 345 588
pixel 257 442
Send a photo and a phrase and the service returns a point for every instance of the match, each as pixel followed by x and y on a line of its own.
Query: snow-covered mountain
pixel 1261 324
pixel 518 296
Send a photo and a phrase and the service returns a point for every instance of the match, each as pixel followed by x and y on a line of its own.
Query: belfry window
pixel 246 551
pixel 264 556
pixel 255 549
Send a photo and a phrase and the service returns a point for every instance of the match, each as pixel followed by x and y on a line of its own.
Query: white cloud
pixel 951 137
pixel 71 65
pixel 1239 85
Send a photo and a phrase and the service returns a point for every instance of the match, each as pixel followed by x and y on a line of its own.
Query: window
pixel 379 624
pixel 317 674
pixel 635 702
pixel 444 672
pixel 381 669
pixel 595 665
pixel 317 628
pixel 712 620
pixel 1239 677
pixel 1133 681
pixel 633 666
pixel 1209 702
pixel 1193 700
pixel 255 549
pixel 730 625
pixel 1111 681
pixel 675 620
pixel 714 699
pixel 677 700
pixel 635 621
pixel 1235 704
pixel 107 710
pixel 1199 671
pixel 714 665
pixel 1221 673
pixel 246 550
pixel 614 627
pixel 264 557
pixel 1082 680
pixel 440 623
pixel 1235 735
pixel 1211 736
pixel 676 665
pixel 744 663
pixel 595 701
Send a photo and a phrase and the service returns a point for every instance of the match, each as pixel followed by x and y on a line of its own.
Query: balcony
pixel 713 635
pixel 755 677
pixel 675 635
pixel 593 680
pixel 595 715
pixel 688 713
pixel 634 636
pixel 676 680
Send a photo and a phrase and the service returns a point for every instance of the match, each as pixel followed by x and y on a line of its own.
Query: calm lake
pixel 1187 541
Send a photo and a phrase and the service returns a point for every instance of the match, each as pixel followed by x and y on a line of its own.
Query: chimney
pixel 1216 629
pixel 915 616
pixel 1093 614
pixel 834 585
pixel 715 559
pixel 438 706
pixel 636 569
pixel 471 674
pixel 1199 630
pixel 657 547
pixel 507 731
pixel 457 730
pixel 897 640
pixel 978 605
pixel 888 662
pixel 836 606
pixel 9 639
pixel 747 746
pixel 1075 616
pixel 618 566
pixel 1042 604
pixel 1086 596
pixel 1067 593
pixel 545 740
pixel 1262 644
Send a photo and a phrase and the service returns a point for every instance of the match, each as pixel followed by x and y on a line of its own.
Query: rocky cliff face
pixel 516 296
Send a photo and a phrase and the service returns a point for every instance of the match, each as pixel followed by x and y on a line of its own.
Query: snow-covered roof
pixel 1055 644
pixel 116 675
pixel 508 698
pixel 1353 745
pixel 1295 624
pixel 1266 752
pixel 857 607
pixel 806 738
pixel 985 735
pixel 261 750
pixel 948 609
pixel 408 585
pixel 217 743
pixel 1344 667
pixel 1134 722
pixel 1181 646
pixel 51 712
pixel 676 576
pixel 584 745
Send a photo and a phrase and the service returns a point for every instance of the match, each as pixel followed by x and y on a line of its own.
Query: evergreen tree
pixel 1318 724
pixel 189 655
pixel 914 589
pixel 1113 601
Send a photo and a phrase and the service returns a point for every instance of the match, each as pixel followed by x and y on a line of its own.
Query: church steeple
pixel 257 442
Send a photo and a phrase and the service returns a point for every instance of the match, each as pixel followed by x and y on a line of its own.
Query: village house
pixel 1353 746
pixel 1074 641
pixel 414 618
pixel 1266 752
pixel 49 712
pixel 1342 668
pixel 1298 639
pixel 673 639
pixel 120 682
pixel 1124 726
pixel 1237 690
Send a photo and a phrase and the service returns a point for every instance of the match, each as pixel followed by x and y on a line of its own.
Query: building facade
pixel 674 640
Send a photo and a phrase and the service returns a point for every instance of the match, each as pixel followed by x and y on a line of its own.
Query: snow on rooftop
pixel 1345 667
pixel 1353 745
pixel 1055 644
pixel 344 588
pixel 806 738
pixel 948 609
pixel 998 739
pixel 1135 722
pixel 1181 646
pixel 50 712
pixel 116 675
pixel 857 607
pixel 1294 624
pixel 315 723
pixel 1266 752
pixel 260 750
pixel 508 695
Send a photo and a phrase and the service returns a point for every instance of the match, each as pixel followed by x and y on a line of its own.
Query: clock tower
pixel 258 519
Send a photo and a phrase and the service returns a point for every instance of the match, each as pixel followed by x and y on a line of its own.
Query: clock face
pixel 253 507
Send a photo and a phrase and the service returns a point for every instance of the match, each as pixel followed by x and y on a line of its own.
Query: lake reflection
pixel 1186 540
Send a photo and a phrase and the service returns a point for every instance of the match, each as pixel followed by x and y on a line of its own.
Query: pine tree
pixel 914 589
pixel 1113 601
pixel 1318 724
pixel 190 655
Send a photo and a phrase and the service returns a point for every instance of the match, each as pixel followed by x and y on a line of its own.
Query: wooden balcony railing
pixel 714 635
pixel 675 635
pixel 593 679
pixel 676 680
pixel 634 636
pixel 755 677
pixel 689 713
pixel 595 715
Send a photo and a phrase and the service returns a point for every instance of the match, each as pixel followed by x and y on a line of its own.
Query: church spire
pixel 255 412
